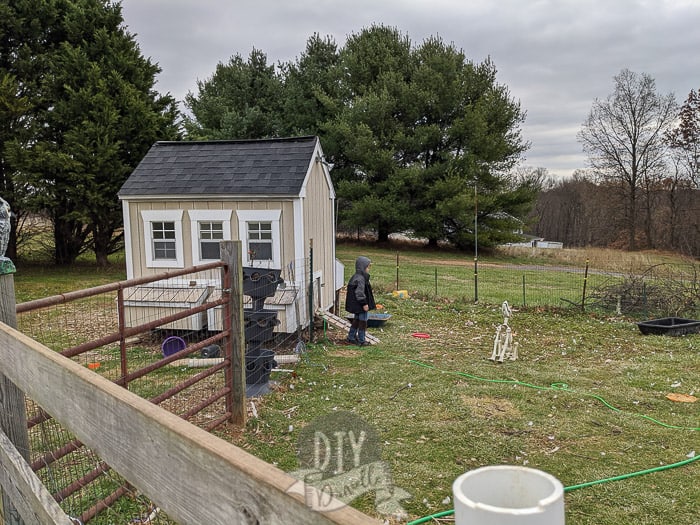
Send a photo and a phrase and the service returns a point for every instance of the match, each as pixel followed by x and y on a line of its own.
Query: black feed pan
pixel 669 326
pixel 374 320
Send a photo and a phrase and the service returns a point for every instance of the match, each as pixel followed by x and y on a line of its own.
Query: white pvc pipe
pixel 287 359
pixel 508 495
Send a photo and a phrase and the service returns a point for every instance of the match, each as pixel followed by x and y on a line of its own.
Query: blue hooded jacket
pixel 359 292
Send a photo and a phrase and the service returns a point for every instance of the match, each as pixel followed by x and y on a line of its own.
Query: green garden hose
pixel 565 388
pixel 442 514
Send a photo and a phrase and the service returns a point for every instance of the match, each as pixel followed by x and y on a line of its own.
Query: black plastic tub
pixel 674 326
pixel 374 320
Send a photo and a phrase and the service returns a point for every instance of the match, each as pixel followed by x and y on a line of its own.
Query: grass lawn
pixel 584 401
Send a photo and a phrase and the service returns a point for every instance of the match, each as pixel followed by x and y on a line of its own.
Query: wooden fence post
pixel 13 416
pixel 231 254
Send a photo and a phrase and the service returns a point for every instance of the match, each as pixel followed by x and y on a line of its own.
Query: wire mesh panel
pixel 122 333
pixel 162 338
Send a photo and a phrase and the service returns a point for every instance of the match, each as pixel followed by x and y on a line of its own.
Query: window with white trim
pixel 260 241
pixel 163 238
pixel 209 228
pixel 210 235
pixel 260 232
pixel 164 243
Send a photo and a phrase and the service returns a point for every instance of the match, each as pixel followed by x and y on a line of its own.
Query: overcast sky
pixel 555 56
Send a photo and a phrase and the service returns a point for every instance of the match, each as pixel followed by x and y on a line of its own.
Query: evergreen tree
pixel 311 89
pixel 369 131
pixel 95 116
pixel 241 100
pixel 28 30
pixel 465 136
pixel 410 131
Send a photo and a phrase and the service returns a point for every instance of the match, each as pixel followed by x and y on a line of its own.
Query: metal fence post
pixel 585 282
pixel 311 290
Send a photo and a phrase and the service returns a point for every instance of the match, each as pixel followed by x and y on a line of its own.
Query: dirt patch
pixel 344 352
pixel 490 407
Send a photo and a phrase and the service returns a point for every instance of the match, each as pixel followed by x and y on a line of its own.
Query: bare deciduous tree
pixel 623 137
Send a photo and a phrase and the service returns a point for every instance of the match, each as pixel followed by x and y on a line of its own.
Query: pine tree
pixel 94 116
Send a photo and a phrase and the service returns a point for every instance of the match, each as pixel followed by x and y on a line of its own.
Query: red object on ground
pixel 421 335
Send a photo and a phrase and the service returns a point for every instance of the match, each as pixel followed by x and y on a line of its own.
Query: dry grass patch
pixel 490 407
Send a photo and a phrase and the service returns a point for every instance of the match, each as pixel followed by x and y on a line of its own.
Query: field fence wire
pixel 659 290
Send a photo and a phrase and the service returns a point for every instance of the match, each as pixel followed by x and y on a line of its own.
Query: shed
pixel 274 195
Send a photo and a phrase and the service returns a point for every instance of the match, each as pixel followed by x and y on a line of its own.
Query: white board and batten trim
pixel 128 239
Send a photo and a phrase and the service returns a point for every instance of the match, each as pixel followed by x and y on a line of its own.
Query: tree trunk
pixel 68 241
pixel 382 235
pixel 632 219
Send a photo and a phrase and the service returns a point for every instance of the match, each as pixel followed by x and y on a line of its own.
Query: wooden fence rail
pixel 193 476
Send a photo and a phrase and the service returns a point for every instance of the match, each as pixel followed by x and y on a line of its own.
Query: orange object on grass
pixel 681 398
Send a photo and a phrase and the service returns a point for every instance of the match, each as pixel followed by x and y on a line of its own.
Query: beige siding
pixel 318 220
pixel 138 248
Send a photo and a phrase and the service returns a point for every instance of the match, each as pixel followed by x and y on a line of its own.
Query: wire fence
pixel 151 338
pixel 658 290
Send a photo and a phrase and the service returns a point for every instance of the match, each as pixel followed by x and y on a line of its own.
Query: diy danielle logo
pixel 340 458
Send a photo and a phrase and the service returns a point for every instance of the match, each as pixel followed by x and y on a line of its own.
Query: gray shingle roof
pixel 228 167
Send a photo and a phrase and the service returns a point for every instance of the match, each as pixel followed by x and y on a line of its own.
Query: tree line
pixel 420 138
pixel 78 111
pixel 414 132
pixel 642 189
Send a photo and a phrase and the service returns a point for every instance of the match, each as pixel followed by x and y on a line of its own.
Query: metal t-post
pixel 311 290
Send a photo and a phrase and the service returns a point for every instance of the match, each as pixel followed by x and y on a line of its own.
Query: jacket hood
pixel 362 263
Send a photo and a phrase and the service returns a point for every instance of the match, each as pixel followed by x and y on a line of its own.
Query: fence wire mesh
pixel 152 339
pixel 658 290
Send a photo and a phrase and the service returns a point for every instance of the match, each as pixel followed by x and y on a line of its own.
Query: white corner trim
pixel 128 251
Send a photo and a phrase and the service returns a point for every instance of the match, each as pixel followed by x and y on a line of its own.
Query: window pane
pixel 164 250
pixel 211 230
pixel 260 240
pixel 163 230
pixel 262 250
pixel 210 250
pixel 164 240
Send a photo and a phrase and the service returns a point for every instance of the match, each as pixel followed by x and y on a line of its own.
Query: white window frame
pixel 174 216
pixel 271 216
pixel 197 216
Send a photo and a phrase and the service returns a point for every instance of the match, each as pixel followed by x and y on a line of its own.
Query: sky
pixel 555 56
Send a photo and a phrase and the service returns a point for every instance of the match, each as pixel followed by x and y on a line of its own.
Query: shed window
pixel 209 228
pixel 210 235
pixel 260 231
pixel 260 241
pixel 164 243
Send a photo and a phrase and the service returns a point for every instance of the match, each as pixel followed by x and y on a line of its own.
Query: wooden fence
pixel 193 476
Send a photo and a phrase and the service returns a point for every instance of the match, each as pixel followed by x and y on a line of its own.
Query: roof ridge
pixel 240 141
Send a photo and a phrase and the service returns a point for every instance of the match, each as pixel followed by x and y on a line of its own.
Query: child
pixel 359 300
